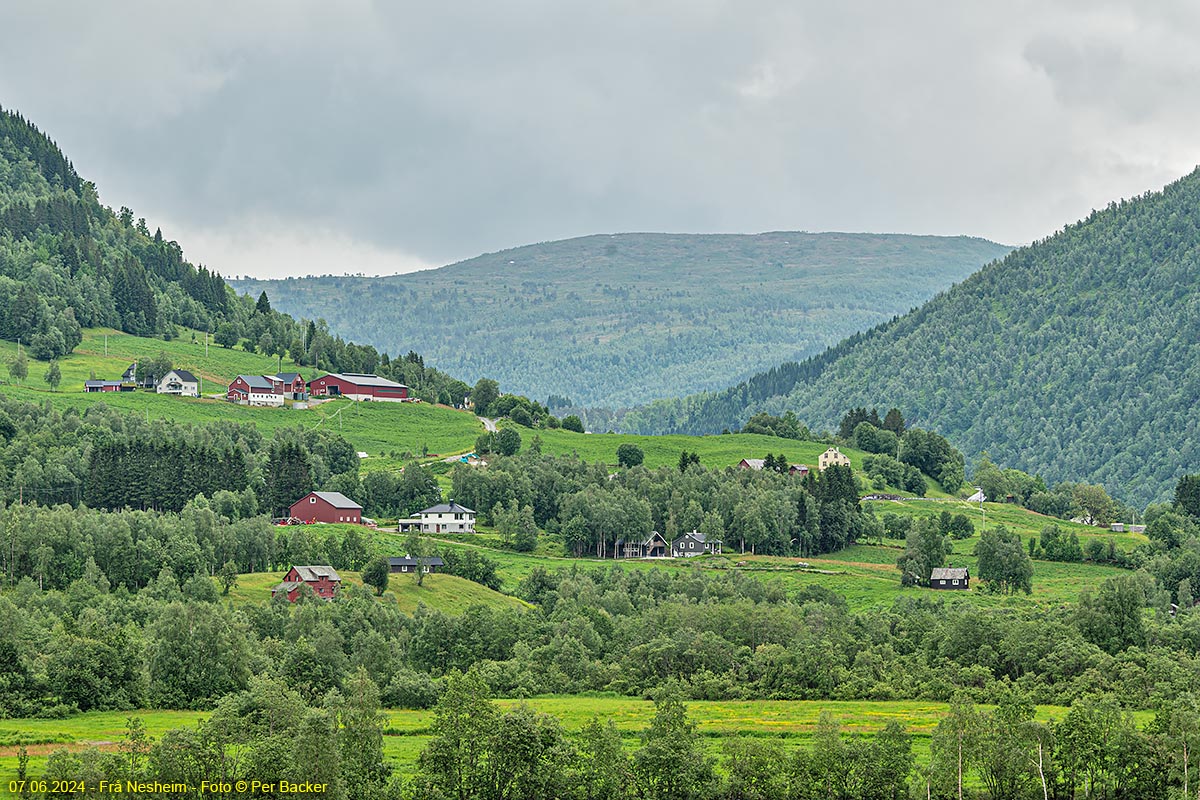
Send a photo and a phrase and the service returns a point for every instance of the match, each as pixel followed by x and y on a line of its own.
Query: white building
pixel 447 518
pixel 179 381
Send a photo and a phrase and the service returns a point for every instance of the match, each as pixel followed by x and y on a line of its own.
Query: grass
pixel 447 593
pixel 218 366
pixel 865 574
pixel 383 430
pixel 715 451
pixel 1020 520
pixel 788 721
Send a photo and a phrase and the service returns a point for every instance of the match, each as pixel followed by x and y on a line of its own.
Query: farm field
pixel 407 733
pixel 1020 520
pixel 218 367
pixel 865 574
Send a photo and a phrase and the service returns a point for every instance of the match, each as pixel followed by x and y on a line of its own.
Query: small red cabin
pixel 323 580
pixel 326 507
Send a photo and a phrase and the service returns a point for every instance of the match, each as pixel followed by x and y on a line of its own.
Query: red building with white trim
pixel 323 580
pixel 326 507
pixel 356 386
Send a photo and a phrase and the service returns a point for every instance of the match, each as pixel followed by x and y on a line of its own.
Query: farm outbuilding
pixel 356 386
pixel 326 507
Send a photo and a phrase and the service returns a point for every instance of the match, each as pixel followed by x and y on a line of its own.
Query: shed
pixel 950 578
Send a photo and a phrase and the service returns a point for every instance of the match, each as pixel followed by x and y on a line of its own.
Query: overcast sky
pixel 331 137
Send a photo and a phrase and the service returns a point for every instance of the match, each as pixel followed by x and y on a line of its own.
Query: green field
pixel 789 721
pixel 217 366
pixel 1020 520
pixel 714 451
pixel 865 574
pixel 446 593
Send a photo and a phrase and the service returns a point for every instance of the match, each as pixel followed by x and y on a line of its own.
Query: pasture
pixel 447 593
pixel 789 721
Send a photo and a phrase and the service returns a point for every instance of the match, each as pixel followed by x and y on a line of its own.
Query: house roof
pixel 978 497
pixel 699 537
pixel 257 382
pixel 336 499
pixel 286 586
pixel 363 379
pixel 288 377
pixel 949 573
pixel 315 572
pixel 101 383
pixel 409 561
pixel 754 463
pixel 184 376
pixel 447 508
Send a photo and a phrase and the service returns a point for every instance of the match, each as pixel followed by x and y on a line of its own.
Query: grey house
pixel 409 564
pixel 694 544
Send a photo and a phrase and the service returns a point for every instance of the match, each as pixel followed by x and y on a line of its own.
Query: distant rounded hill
pixel 619 320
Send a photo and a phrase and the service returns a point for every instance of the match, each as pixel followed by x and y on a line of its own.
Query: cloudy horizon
pixel 301 138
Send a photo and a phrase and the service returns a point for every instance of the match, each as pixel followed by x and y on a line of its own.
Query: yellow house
pixel 833 456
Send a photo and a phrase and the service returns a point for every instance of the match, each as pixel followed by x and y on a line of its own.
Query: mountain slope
pixel 1077 357
pixel 623 319
pixel 68 263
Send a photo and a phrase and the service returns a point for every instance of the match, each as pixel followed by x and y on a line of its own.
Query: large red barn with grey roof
pixel 357 386
pixel 326 507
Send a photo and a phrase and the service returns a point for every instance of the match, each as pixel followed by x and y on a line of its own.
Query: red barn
pixel 323 580
pixel 293 384
pixel 356 386
pixel 326 507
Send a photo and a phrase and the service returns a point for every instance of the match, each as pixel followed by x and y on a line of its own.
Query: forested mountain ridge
pixel 1077 357
pixel 615 320
pixel 66 261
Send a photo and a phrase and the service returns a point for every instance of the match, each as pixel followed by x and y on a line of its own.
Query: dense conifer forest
pixel 1073 357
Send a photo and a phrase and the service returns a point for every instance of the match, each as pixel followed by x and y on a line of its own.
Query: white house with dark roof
pixel 180 382
pixel 447 517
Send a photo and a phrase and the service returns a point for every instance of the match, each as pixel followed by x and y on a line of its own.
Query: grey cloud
pixel 442 130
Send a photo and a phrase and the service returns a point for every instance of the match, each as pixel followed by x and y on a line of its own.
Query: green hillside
pixel 1075 357
pixel 865 574
pixel 446 593
pixel 617 320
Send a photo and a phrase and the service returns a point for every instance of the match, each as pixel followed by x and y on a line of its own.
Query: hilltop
pixel 616 320
pixel 1074 357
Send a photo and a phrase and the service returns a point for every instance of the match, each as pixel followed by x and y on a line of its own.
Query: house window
pixel 956 581
pixel 312 499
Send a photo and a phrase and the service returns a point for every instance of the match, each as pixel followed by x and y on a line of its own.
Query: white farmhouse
pixel 179 381
pixel 447 518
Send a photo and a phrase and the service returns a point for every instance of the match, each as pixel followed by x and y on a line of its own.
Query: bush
pixel 572 423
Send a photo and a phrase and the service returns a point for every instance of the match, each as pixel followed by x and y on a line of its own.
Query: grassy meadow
pixel 407 733
pixel 446 593
pixel 865 574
